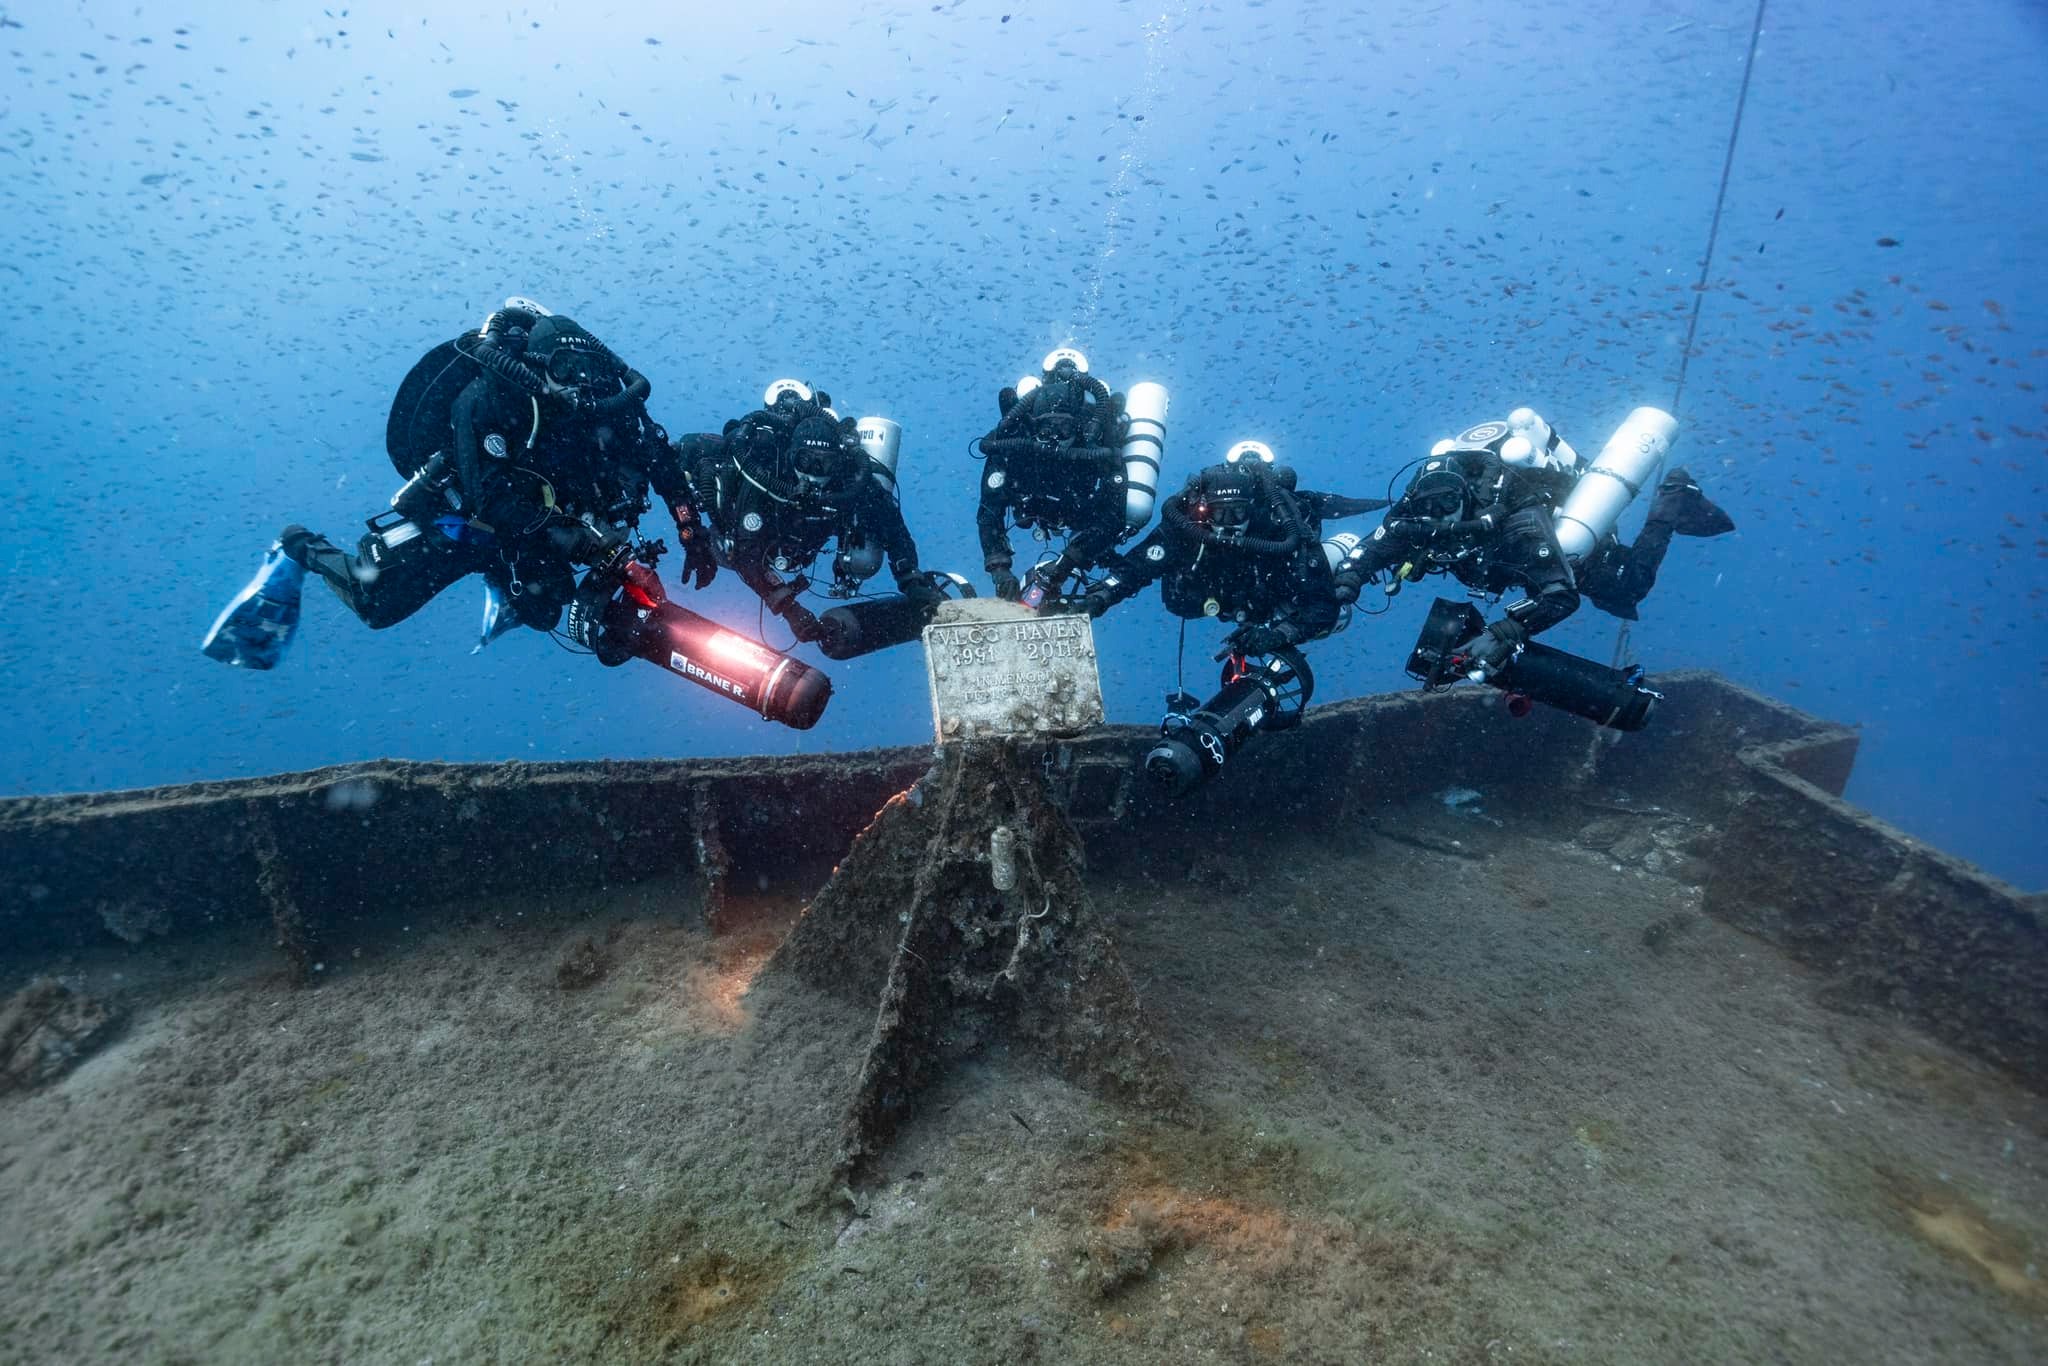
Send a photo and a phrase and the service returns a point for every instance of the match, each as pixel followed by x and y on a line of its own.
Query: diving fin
pixel 253 630
pixel 1691 512
pixel 499 616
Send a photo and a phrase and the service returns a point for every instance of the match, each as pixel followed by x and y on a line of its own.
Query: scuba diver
pixel 1242 544
pixel 1506 507
pixel 1068 458
pixel 528 455
pixel 793 475
pixel 527 452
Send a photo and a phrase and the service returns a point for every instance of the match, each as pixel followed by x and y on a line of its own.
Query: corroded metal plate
pixel 998 669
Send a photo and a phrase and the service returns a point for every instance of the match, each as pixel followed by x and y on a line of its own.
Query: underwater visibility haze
pixel 1432 1028
pixel 1346 230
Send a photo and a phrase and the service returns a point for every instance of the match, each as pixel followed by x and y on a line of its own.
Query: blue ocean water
pixel 1347 230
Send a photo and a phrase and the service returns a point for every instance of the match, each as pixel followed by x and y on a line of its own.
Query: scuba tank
pixel 883 441
pixel 1341 547
pixel 1535 433
pixel 1143 450
pixel 861 628
pixel 1546 450
pixel 1625 464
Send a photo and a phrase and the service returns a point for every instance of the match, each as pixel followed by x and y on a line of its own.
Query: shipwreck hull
pixel 330 857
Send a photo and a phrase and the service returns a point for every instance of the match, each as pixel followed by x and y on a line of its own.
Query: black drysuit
pixel 530 471
pixel 767 525
pixel 1054 464
pixel 1507 543
pixel 1276 584
pixel 1617 577
pixel 1512 543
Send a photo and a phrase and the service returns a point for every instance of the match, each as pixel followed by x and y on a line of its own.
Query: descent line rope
pixel 1699 290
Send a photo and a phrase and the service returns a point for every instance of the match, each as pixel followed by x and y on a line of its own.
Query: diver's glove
pixel 922 592
pixel 1007 586
pixel 620 565
pixel 781 600
pixel 803 624
pixel 1255 640
pixel 1487 653
pixel 699 563
pixel 573 397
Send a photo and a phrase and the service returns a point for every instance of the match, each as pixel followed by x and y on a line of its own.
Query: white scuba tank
pixel 1528 424
pixel 883 441
pixel 1143 451
pixel 1625 465
pixel 1341 547
pixel 1547 450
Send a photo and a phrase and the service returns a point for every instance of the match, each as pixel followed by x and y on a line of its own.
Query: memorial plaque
pixel 1000 669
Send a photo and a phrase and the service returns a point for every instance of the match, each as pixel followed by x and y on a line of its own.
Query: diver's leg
pixel 539 587
pixel 393 573
pixel 1679 509
pixel 1638 564
pixel 1603 580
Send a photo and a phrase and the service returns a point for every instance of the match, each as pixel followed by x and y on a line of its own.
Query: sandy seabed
pixel 1469 1091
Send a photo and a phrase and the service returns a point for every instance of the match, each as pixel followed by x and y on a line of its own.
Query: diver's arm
pixel 1540 562
pixel 1296 624
pixel 1311 610
pixel 705 468
pixel 1149 561
pixel 669 473
pixel 698 457
pixel 1332 506
pixel 1390 544
pixel 885 519
pixel 1088 546
pixel 1489 479
pixel 1313 607
pixel 466 415
pixel 1547 605
pixel 747 562
pixel 989 515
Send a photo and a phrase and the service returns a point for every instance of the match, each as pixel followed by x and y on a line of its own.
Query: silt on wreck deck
pixel 1620 1057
